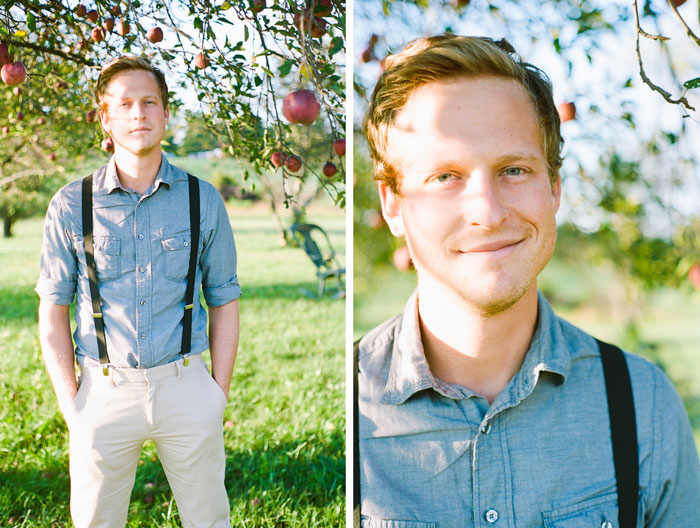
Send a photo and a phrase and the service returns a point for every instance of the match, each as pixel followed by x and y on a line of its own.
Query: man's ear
pixel 104 119
pixel 556 192
pixel 391 209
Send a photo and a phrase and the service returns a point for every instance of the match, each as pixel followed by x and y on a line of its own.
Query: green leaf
pixel 692 83
pixel 286 67
pixel 225 6
pixel 245 33
pixel 31 22
pixel 197 23
pixel 337 44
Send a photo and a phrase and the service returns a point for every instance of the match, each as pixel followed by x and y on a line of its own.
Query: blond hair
pixel 444 58
pixel 126 63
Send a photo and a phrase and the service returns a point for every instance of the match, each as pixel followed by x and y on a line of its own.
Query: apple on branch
pixel 108 25
pixel 155 34
pixel 329 169
pixel 339 147
pixel 301 107
pixel 13 73
pixel 123 27
pixel 4 54
pixel 107 144
pixel 201 61
pixel 566 111
pixel 293 163
pixel 278 158
pixel 92 15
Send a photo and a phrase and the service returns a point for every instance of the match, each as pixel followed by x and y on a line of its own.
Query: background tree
pixel 226 59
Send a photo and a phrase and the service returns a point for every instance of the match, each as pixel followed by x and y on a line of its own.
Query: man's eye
pixel 444 178
pixel 514 171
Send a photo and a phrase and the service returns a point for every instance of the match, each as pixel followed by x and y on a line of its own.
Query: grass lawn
pixel 285 422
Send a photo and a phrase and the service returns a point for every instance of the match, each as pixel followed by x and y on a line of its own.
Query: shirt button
pixel 187 244
pixel 486 429
pixel 491 516
pixel 606 524
pixel 142 302
pixel 142 270
pixel 140 237
pixel 143 336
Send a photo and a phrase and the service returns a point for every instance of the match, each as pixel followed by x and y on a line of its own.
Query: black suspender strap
pixel 194 247
pixel 356 439
pixel 92 274
pixel 623 429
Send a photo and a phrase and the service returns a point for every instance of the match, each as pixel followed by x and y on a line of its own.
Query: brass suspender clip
pixel 189 306
pixel 97 316
pixel 186 360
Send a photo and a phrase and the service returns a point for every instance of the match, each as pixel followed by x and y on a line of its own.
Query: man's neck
pixel 137 172
pixel 463 346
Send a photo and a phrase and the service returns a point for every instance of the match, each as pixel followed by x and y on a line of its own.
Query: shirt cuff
pixel 55 291
pixel 223 294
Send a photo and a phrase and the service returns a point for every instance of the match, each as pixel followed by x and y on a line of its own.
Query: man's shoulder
pixel 70 195
pixel 649 381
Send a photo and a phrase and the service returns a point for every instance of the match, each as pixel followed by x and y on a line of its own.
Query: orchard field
pixel 285 422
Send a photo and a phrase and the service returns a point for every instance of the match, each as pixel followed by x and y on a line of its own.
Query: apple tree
pixel 625 76
pixel 233 62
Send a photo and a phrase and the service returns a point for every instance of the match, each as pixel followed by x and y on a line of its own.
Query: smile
pixel 493 249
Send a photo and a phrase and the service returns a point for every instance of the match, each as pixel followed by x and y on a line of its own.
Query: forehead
pixel 479 116
pixel 132 83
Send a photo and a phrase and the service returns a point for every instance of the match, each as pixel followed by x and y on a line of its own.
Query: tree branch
pixel 42 49
pixel 667 96
pixel 688 30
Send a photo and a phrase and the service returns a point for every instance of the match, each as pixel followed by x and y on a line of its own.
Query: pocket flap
pixel 176 242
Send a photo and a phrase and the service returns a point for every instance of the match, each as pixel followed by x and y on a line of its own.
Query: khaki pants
pixel 180 408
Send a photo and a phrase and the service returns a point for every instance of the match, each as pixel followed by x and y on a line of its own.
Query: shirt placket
pixel 144 282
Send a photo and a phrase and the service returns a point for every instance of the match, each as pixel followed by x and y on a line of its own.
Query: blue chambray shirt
pixel 142 251
pixel 436 455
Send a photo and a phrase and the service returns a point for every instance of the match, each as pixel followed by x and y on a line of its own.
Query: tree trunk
pixel 7 226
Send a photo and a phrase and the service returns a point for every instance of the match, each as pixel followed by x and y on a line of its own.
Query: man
pixel 478 406
pixel 146 382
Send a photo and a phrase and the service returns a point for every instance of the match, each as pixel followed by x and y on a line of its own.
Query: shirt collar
pixel 166 175
pixel 409 371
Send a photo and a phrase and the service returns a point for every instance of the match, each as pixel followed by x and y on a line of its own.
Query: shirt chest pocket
pixel 599 512
pixel 106 252
pixel 176 253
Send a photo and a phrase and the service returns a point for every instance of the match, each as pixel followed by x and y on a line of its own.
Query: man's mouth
pixel 493 246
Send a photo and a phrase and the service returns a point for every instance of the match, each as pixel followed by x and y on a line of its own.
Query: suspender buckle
pixel 97 316
pixel 186 359
pixel 105 370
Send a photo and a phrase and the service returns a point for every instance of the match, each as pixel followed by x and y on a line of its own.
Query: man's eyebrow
pixel 518 156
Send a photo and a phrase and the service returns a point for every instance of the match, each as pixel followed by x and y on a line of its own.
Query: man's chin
pixel 491 301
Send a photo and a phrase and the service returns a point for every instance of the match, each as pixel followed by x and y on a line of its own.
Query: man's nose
pixel 484 205
pixel 138 111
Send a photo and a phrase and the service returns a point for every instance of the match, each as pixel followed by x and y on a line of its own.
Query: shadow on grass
pixel 288 291
pixel 18 304
pixel 306 472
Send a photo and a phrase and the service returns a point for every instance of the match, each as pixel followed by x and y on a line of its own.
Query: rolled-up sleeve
pixel 218 261
pixel 58 276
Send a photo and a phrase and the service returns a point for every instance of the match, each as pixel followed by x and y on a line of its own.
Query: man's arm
pixel 57 351
pixel 223 342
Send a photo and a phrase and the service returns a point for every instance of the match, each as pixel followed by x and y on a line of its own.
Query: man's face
pixel 476 205
pixel 135 116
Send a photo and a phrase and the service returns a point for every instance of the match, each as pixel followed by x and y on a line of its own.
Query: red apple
pixel 4 54
pixel 40 121
pixel 52 156
pixel 339 147
pixel 329 169
pixel 13 73
pixel 83 44
pixel 402 258
pixel 323 8
pixel 694 275
pixel 116 10
pixel 123 27
pixel 678 3
pixel 567 111
pixel 91 116
pixel 20 116
pixel 107 144
pixel 5 130
pixel 97 34
pixel 313 25
pixel 278 158
pixel 367 55
pixel 63 85
pixel 201 61
pixel 92 15
pixel 301 106
pixel 459 3
pixel 108 24
pixel 293 163
pixel 258 5
pixel 80 10
pixel 17 90
pixel 155 34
